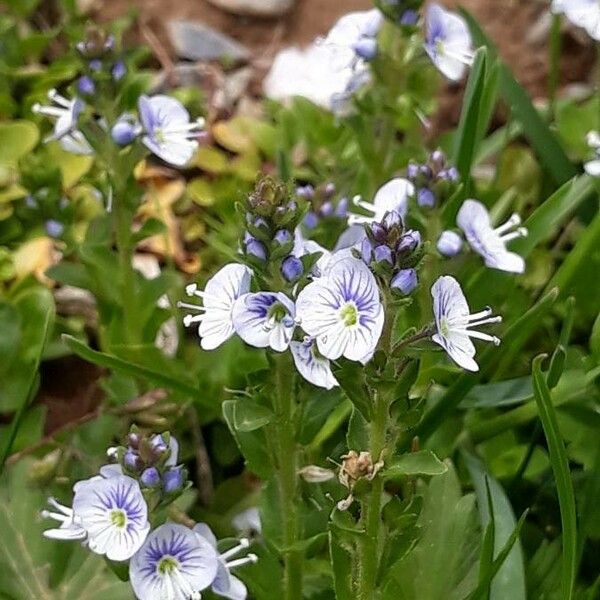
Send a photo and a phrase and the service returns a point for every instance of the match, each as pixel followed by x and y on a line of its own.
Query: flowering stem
pixel 370 546
pixel 286 473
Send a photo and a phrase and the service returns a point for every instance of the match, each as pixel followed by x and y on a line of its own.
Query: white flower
pixel 265 319
pixel 302 247
pixel 313 73
pixel 342 311
pixel 66 112
pixel 225 584
pixel 168 132
pixel 448 42
pixel 219 296
pixel 175 563
pixel 582 13
pixel 248 521
pixel 391 197
pixel 592 167
pixel 315 368
pixel 109 514
pixel 474 220
pixel 454 323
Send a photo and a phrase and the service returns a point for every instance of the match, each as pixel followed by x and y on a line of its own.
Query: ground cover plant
pixel 327 349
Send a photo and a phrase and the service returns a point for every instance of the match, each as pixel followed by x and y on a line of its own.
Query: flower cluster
pixel 111 515
pixel 322 204
pixel 433 180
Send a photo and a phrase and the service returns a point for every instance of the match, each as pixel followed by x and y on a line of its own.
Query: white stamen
pixel 484 313
pixel 191 289
pixel 513 221
pixel 191 319
pixel 190 306
pixel 251 558
pixel 521 232
pixel 244 543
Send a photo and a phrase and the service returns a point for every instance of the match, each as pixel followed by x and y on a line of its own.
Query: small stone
pixel 196 41
pixel 255 8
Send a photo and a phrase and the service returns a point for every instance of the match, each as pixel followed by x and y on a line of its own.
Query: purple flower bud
pixel 311 220
pixel 150 477
pixel 119 70
pixel 425 197
pixel 452 174
pixel 329 189
pixel 260 223
pixel 109 43
pixel 341 210
pixel 283 236
pixel 392 219
pixel 437 156
pixel 54 228
pixel 133 439
pixel 365 48
pixel 256 249
pixel 305 191
pixel 366 251
pixel 123 132
pixel 292 268
pixel 95 64
pixel 425 170
pixel 409 17
pixel 173 480
pixel 31 202
pixel 449 244
pixel 86 85
pixel 405 281
pixel 131 460
pixel 326 209
pixel 378 231
pixel 412 171
pixel 409 241
pixel 383 254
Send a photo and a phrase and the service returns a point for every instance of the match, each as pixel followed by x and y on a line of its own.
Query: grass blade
pixel 562 476
pixel 118 364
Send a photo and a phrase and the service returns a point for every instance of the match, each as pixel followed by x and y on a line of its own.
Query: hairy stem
pixel 287 479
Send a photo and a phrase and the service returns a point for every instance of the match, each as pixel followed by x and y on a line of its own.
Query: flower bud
pixel 305 191
pixel 118 71
pixel 366 251
pixel 282 237
pixel 86 85
pixel 95 64
pixel 341 210
pixel 150 477
pixel 314 474
pixel 425 197
pixel 131 460
pixel 449 243
pixel 133 439
pixel 292 268
pixel 392 219
pixel 173 480
pixel 404 281
pixel 329 189
pixel 366 48
pixel 409 241
pixel 311 220
pixel 412 171
pixel 326 209
pixel 409 17
pixel 54 228
pixel 123 132
pixel 383 254
pixel 256 249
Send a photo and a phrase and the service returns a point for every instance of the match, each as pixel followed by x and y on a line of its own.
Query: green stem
pixel 286 473
pixel 370 545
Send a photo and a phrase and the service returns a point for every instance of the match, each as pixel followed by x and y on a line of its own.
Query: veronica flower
pixel 265 319
pixel 316 369
pixel 109 514
pixel 592 167
pixel 354 36
pixel 474 219
pixel 65 112
pixel 175 563
pixel 219 296
pixel 448 42
pixel 342 311
pixel 168 132
pixel 582 13
pixel 225 584
pixel 455 324
pixel 391 197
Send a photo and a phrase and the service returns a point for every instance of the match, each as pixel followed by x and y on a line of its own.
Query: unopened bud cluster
pixel 323 204
pixel 152 460
pixel 393 252
pixel 434 181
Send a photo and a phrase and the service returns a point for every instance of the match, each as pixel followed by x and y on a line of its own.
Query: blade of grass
pixel 562 476
pixel 118 364
pixel 541 138
pixel 31 388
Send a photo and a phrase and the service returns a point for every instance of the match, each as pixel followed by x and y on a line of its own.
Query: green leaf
pixel 562 476
pixel 129 368
pixel 341 563
pixel 509 580
pixel 249 415
pixel 351 378
pixel 535 129
pixel 18 139
pixel 423 462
